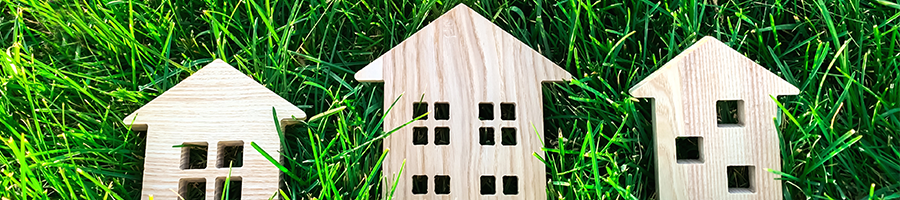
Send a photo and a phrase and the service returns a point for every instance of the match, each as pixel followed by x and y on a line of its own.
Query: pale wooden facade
pixel 685 92
pixel 461 62
pixel 222 108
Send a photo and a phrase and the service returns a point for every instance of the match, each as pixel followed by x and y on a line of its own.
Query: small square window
pixel 192 188
pixel 510 185
pixel 419 109
pixel 420 184
pixel 486 135
pixel 441 111
pixel 508 137
pixel 689 150
pixel 442 135
pixel 420 135
pixel 728 113
pixel 740 179
pixel 194 155
pixel 488 185
pixel 442 184
pixel 231 154
pixel 231 191
pixel 486 111
pixel 508 111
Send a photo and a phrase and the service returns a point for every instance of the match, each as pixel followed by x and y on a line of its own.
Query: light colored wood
pixel 463 59
pixel 216 104
pixel 684 93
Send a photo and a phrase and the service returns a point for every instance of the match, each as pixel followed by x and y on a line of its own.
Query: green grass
pixel 71 70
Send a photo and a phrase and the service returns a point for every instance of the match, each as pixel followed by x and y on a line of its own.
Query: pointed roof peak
pixel 216 89
pixel 461 22
pixel 671 70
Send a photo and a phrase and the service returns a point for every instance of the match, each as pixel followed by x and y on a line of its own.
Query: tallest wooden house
pixel 482 88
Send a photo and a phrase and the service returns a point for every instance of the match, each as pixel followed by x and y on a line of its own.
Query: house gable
pixel 218 90
pixel 669 75
pixel 490 45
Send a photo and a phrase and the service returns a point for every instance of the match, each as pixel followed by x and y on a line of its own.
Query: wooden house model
pixel 700 154
pixel 481 88
pixel 197 131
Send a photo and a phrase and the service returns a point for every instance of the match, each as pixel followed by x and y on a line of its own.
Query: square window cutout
pixel 509 136
pixel 231 191
pixel 740 179
pixel 420 184
pixel 488 185
pixel 442 184
pixel 486 111
pixel 486 135
pixel 441 135
pixel 420 135
pixel 419 109
pixel 231 154
pixel 192 188
pixel 728 113
pixel 508 111
pixel 510 185
pixel 194 155
pixel 441 111
pixel 689 150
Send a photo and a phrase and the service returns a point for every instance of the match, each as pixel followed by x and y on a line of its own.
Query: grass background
pixel 72 69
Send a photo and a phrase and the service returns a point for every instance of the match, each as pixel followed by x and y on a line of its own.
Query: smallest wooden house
pixel 699 154
pixel 197 132
pixel 482 88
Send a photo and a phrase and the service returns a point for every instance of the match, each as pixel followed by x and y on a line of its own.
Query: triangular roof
pixel 462 14
pixel 216 91
pixel 672 69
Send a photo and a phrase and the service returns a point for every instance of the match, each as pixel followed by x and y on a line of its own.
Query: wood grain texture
pixel 462 59
pixel 684 93
pixel 216 104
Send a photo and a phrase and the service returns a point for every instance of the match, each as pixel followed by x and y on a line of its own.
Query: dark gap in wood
pixel 508 137
pixel 486 135
pixel 419 109
pixel 420 135
pixel 486 111
pixel 488 185
pixel 441 135
pixel 441 111
pixel 442 184
pixel 420 184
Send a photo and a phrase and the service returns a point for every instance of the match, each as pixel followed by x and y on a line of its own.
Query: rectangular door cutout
pixel 232 191
pixel 441 135
pixel 441 111
pixel 728 113
pixel 740 179
pixel 508 137
pixel 192 188
pixel 194 155
pixel 488 185
pixel 508 111
pixel 419 109
pixel 442 184
pixel 510 185
pixel 689 150
pixel 486 111
pixel 420 184
pixel 420 135
pixel 231 154
pixel 486 135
